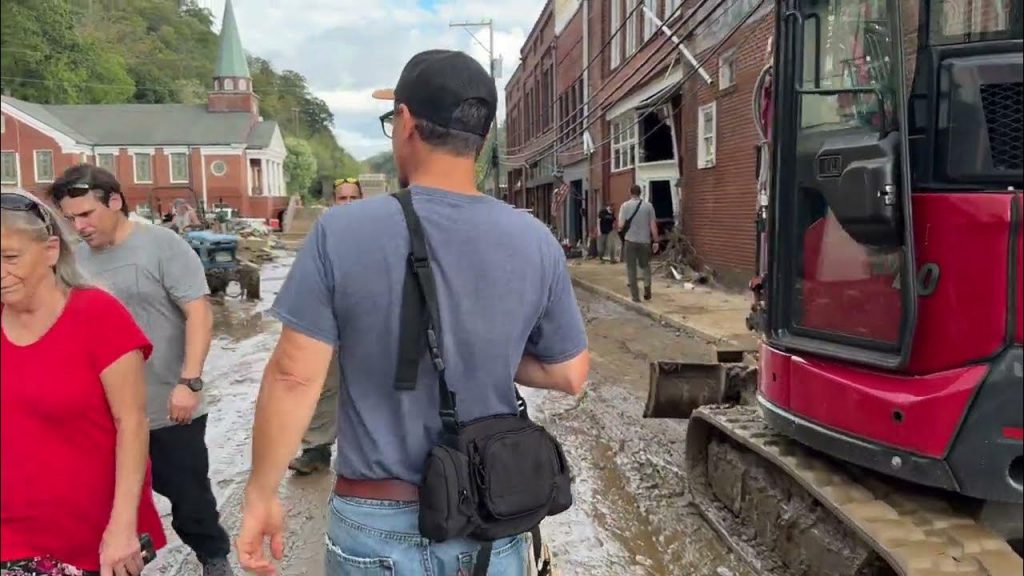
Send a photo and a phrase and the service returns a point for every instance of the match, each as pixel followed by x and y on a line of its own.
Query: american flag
pixel 558 199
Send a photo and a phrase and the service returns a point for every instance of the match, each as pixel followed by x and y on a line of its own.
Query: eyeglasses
pixel 19 203
pixel 341 181
pixel 387 123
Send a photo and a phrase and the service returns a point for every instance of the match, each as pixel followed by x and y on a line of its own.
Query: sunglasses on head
pixel 341 181
pixel 78 189
pixel 19 203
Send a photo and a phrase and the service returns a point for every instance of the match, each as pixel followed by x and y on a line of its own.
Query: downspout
pixel 591 207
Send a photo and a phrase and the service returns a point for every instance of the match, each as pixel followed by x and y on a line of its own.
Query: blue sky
pixel 347 48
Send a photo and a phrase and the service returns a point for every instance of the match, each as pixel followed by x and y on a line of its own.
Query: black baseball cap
pixel 435 83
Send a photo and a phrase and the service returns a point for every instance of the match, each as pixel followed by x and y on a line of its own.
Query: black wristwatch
pixel 194 384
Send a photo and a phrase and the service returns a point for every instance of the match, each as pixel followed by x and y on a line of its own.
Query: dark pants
pixel 181 473
pixel 637 255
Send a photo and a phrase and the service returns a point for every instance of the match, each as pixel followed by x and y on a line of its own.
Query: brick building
pixel 644 114
pixel 220 152
pixel 530 122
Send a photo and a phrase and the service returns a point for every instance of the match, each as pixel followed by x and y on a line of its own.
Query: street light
pixel 489 24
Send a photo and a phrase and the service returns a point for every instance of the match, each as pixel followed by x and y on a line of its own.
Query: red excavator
pixel 880 429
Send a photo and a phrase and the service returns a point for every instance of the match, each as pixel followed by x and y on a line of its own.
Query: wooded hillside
pixel 146 51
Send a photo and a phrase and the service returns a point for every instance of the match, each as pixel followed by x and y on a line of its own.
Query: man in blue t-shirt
pixel 506 304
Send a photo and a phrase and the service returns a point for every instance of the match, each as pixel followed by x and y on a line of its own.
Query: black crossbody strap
pixel 420 291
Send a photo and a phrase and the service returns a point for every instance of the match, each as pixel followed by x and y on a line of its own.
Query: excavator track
pixel 791 512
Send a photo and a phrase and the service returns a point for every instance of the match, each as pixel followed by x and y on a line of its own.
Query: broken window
pixel 656 136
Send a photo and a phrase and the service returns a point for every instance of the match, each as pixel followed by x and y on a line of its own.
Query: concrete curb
pixel 641 309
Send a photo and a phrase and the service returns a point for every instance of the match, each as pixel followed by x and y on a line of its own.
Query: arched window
pixel 229 84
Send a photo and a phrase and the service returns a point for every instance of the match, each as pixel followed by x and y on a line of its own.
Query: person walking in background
pixel 509 315
pixel 162 282
pixel 74 456
pixel 638 228
pixel 606 244
pixel 323 429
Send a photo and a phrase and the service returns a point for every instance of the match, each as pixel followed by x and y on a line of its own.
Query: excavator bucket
pixel 676 389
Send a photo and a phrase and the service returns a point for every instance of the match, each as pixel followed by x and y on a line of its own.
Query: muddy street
pixel 631 516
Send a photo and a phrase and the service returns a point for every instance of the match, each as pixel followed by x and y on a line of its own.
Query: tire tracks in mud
pixel 628 470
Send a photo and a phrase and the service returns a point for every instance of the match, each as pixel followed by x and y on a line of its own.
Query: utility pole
pixel 489 24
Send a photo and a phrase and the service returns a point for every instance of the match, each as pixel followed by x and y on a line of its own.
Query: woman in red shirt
pixel 75 491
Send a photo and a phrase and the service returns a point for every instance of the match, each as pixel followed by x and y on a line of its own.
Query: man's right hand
pixel 262 520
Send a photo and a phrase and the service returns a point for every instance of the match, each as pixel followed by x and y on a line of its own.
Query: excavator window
pixel 846 285
pixel 965 21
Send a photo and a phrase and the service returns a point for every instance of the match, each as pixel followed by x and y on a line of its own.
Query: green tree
pixel 299 165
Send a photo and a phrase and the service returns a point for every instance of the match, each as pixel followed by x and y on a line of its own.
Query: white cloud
pixel 347 48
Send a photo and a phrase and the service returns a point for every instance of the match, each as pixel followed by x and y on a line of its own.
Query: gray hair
pixel 66 270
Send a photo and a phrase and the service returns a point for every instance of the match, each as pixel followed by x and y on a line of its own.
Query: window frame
pixel 616 39
pixel 135 167
pixel 647 25
pixel 727 61
pixel 35 165
pixel 113 162
pixel 705 160
pixel 624 141
pixel 17 168
pixel 170 167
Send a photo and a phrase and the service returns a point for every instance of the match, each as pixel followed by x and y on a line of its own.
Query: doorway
pixel 576 207
pixel 660 194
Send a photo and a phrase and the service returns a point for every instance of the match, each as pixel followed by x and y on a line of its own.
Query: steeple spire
pixel 232 84
pixel 231 61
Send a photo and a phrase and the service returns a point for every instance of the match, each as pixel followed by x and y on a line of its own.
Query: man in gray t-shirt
pixel 161 281
pixel 507 309
pixel 640 241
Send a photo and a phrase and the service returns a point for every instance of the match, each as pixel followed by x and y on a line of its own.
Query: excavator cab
pixel 889 289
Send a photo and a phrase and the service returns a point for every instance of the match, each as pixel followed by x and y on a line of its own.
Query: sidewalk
pixel 712 315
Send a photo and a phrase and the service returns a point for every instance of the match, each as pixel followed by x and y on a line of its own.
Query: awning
pixel 658 99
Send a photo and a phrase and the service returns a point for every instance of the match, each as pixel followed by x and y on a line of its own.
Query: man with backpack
pixel 432 329
pixel 638 228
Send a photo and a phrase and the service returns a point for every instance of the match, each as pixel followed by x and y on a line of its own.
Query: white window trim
pixel 135 166
pixel 703 161
pixel 113 157
pixel 17 169
pixel 622 140
pixel 672 9
pixel 730 58
pixel 648 25
pixel 616 21
pixel 35 165
pixel 631 40
pixel 170 165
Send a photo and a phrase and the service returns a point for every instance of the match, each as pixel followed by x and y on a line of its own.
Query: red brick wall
pixel 568 73
pixel 24 139
pixel 228 188
pixel 233 102
pixel 718 203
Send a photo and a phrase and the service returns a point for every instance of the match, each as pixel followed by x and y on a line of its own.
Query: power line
pixel 574 130
pixel 667 96
pixel 613 36
pixel 624 82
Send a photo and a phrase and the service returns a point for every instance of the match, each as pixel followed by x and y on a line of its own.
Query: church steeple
pixel 232 84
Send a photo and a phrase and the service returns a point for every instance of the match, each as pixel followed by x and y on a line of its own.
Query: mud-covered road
pixel 631 515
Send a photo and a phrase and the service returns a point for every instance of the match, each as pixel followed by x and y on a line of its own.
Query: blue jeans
pixel 381 538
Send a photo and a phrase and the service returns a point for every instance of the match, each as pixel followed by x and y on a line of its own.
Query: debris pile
pixel 679 262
